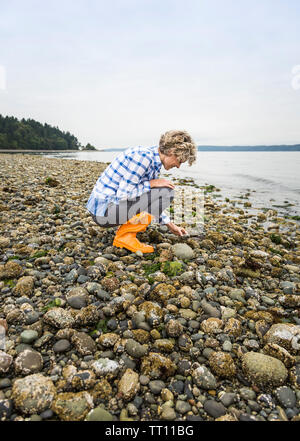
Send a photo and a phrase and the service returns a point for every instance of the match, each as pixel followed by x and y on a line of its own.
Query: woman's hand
pixel 179 231
pixel 154 183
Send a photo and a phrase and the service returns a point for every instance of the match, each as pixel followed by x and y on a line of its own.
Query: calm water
pixel 271 178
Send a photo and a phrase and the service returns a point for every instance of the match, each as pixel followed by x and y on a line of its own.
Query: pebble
pixel 61 346
pixel 99 414
pixel 286 396
pixel 29 336
pixel 183 251
pixel 28 362
pixel 156 386
pixel 204 378
pixel 71 406
pixel 33 394
pixel 214 409
pixel 47 414
pixel 6 407
pixel 4 383
pixel 76 302
pixel 182 407
pixel 228 398
pixel 104 366
pixel 5 362
pixel 129 384
pixel 135 349
pixel 247 394
pixel 263 369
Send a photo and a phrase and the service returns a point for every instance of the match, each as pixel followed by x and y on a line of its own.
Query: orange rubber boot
pixel 126 235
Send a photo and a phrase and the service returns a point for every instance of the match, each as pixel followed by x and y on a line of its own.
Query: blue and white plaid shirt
pixel 126 177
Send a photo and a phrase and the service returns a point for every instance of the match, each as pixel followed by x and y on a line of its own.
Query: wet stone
pixel 99 414
pixel 33 394
pixel 182 407
pixel 28 362
pixel 214 409
pixel 156 386
pixel 28 336
pixel 6 408
pixel 204 378
pixel 286 396
pixel 5 362
pixel 228 398
pixel 4 383
pixel 177 387
pixel 61 346
pixel 263 369
pixel 76 302
pixel 135 349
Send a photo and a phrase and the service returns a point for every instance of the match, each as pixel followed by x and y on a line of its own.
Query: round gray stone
pixel 99 414
pixel 286 396
pixel 214 409
pixel 204 378
pixel 76 302
pixel 28 362
pixel 156 386
pixel 182 407
pixel 61 346
pixel 263 369
pixel 28 336
pixel 168 414
pixel 135 349
pixel 228 398
pixel 183 251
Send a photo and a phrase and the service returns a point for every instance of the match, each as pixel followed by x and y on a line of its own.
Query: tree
pixel 32 135
pixel 89 147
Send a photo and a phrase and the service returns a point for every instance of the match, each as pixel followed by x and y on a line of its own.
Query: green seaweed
pixel 172 268
pixel 209 189
pixel 10 282
pixel 276 251
pixel 275 238
pixel 296 218
pixel 41 253
pixel 102 326
pixel 151 268
pixel 150 280
pixel 54 303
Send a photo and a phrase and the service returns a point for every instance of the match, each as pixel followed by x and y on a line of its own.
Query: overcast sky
pixel 120 73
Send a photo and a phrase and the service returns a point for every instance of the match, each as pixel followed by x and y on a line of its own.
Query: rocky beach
pixel 206 328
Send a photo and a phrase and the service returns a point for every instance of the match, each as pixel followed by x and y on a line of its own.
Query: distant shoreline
pixel 48 151
pixel 274 148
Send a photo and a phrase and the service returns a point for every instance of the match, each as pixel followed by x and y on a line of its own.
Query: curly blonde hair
pixel 180 144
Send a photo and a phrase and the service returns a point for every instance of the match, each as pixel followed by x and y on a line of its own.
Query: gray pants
pixel 154 202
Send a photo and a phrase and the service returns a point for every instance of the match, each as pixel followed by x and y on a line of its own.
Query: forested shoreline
pixel 28 134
